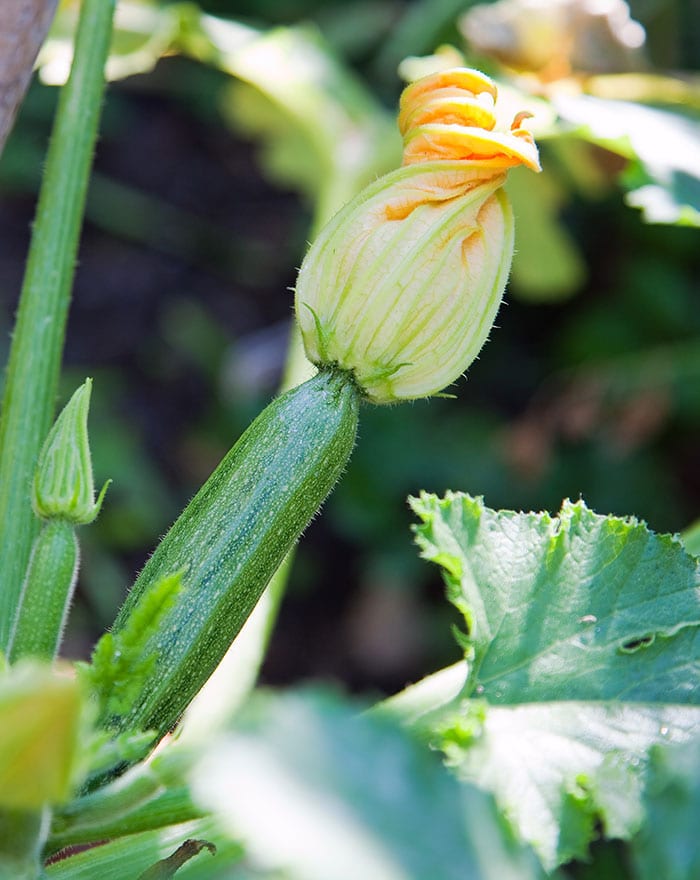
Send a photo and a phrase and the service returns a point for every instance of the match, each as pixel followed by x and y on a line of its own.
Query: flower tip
pixel 529 155
pixel 450 115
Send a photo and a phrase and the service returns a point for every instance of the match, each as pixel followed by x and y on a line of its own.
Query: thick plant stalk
pixel 35 355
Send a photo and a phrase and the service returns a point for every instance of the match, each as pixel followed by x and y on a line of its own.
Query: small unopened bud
pixel 402 286
pixel 63 483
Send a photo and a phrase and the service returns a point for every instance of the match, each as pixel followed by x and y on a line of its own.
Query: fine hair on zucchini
pixel 228 543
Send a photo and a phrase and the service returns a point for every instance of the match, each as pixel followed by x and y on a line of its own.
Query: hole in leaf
pixel 637 644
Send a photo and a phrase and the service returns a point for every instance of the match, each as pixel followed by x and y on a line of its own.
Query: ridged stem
pixel 37 344
pixel 46 593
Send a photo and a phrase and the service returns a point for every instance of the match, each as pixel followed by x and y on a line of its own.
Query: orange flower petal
pixel 450 116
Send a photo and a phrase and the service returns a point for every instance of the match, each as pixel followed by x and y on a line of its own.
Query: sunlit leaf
pixel 583 651
pixel 570 607
pixel 143 31
pixel 559 769
pixel 322 130
pixel 322 793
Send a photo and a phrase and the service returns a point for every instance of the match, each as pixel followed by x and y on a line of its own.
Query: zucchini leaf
pixel 582 647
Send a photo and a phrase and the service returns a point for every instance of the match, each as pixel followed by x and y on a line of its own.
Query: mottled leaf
pixel 582 653
pixel 558 770
pixel 576 606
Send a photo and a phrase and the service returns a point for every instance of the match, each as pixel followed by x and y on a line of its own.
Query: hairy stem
pixel 47 592
pixel 37 345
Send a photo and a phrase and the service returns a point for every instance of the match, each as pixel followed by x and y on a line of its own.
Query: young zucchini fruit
pixel 228 543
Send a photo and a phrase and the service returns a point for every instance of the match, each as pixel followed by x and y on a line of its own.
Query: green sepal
pixel 63 482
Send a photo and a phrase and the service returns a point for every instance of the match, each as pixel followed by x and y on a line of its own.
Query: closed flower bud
pixel 402 287
pixel 63 484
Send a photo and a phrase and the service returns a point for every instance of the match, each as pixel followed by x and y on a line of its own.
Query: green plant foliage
pixel 560 770
pixel 149 795
pixel 691 539
pixel 104 752
pixel 569 606
pixel 565 741
pixel 668 845
pixel 322 130
pixel 320 792
pixel 144 31
pixel 121 662
pixel 581 655
pixel 547 265
pixel 128 857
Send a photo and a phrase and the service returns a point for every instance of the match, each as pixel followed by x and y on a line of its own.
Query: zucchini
pixel 229 541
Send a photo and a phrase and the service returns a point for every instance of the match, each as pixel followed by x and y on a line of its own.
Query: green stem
pixel 35 355
pixel 47 592
pixel 22 836
pixel 161 811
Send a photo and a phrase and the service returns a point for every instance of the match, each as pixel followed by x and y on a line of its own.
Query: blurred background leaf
pixel 667 846
pixel 319 792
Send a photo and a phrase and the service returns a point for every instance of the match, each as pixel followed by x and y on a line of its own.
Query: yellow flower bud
pixel 402 286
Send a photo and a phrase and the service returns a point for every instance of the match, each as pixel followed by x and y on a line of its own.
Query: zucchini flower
pixel 402 287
